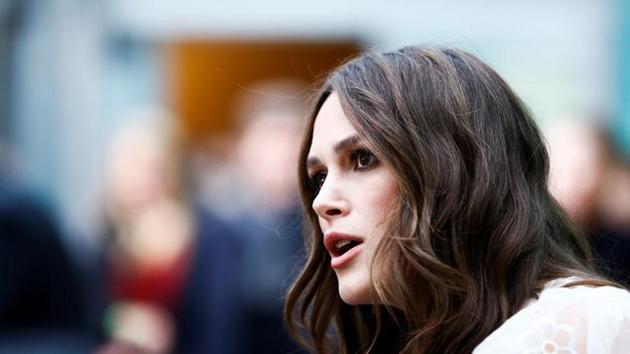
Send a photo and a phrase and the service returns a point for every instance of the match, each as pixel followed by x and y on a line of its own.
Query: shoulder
pixel 574 320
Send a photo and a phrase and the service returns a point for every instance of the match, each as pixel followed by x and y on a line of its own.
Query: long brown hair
pixel 476 232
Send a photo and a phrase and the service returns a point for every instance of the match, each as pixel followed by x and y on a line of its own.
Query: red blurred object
pixel 161 285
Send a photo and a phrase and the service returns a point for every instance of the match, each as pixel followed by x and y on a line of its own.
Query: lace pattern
pixel 578 320
pixel 548 337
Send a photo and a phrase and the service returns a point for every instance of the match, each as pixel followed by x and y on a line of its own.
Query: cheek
pixel 377 205
pixel 384 191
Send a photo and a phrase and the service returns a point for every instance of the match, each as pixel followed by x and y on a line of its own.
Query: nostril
pixel 333 212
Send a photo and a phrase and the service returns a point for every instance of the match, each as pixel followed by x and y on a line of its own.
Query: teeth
pixel 342 243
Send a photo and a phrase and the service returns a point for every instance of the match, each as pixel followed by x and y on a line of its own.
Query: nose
pixel 330 201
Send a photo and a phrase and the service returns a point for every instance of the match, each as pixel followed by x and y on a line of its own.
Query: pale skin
pixel 355 195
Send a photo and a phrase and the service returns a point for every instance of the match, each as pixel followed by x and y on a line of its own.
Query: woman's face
pixel 354 193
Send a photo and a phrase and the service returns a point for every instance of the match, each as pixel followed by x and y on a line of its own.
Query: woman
pixel 424 179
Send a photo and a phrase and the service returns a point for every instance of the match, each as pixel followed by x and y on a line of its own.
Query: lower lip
pixel 343 260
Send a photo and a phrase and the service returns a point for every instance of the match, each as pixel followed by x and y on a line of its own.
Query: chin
pixel 354 295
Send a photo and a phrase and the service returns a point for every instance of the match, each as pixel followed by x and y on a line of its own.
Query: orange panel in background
pixel 207 77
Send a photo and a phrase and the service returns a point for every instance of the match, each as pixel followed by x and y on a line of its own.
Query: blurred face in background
pixel 270 115
pixel 354 193
pixel 576 168
pixel 267 158
pixel 137 169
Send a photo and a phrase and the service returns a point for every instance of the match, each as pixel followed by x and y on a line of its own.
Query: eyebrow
pixel 344 144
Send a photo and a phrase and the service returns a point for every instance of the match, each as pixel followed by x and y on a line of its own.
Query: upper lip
pixel 331 239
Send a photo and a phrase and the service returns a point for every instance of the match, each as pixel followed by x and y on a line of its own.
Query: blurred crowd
pixel 199 242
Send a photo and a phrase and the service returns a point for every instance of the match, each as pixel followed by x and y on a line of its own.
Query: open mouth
pixel 343 248
pixel 344 245
pixel 339 244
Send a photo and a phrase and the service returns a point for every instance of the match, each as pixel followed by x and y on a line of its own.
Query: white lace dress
pixel 577 320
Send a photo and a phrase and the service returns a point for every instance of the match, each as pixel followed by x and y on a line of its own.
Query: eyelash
pixel 317 179
pixel 356 156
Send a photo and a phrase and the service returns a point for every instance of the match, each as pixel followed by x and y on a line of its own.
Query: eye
pixel 363 159
pixel 316 181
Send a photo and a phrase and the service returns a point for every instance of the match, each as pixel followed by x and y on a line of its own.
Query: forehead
pixel 331 126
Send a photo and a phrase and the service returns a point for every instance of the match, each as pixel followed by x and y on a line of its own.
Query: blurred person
pixel 591 180
pixel 151 234
pixel 42 303
pixel 172 269
pixel 577 167
pixel 270 117
pixel 424 179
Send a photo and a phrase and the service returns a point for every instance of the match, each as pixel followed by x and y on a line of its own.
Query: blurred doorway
pixel 206 77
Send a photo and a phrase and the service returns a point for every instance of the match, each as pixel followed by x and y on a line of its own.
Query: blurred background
pixel 147 152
